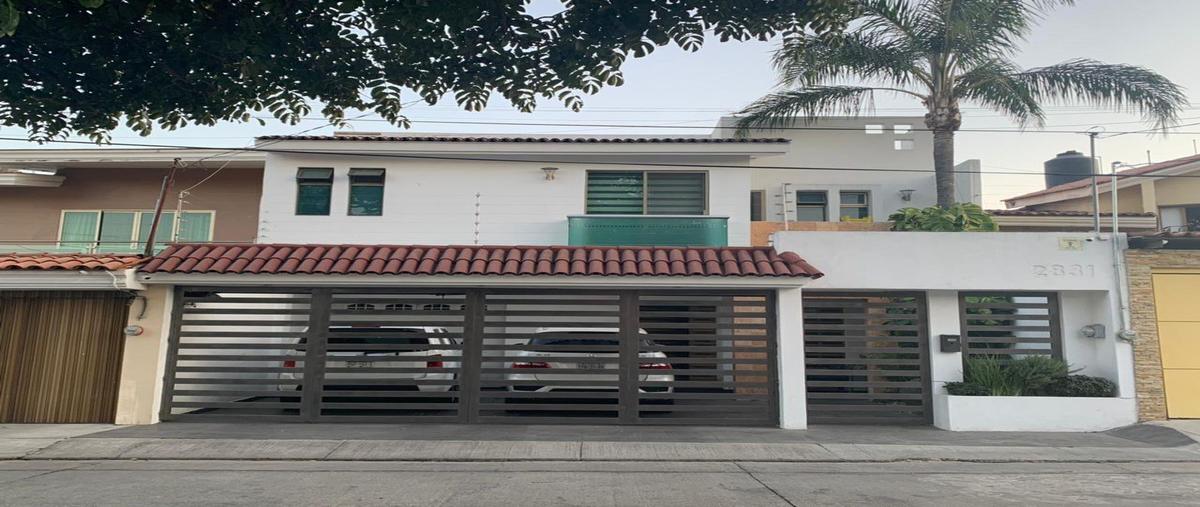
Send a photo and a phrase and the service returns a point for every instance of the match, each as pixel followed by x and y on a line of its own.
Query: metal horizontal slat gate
pixel 472 355
pixel 866 358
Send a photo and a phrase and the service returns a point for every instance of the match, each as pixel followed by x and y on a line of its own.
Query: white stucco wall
pixel 843 143
pixel 435 201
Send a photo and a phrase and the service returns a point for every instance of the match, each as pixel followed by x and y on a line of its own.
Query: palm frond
pixel 994 84
pixel 807 60
pixel 898 18
pixel 1126 88
pixel 781 109
pixel 976 30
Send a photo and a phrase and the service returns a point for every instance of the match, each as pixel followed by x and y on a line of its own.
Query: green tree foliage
pixel 962 216
pixel 84 66
pixel 942 53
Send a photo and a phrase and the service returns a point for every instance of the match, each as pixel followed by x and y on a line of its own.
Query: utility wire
pixel 525 160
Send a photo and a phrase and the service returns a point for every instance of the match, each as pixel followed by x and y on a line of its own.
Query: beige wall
pixel 1147 354
pixel 1135 199
pixel 33 214
pixel 145 356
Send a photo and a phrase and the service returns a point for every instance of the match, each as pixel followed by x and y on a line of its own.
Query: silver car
pixel 533 368
pixel 344 363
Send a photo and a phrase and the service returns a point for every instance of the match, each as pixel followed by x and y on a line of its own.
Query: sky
pixel 675 87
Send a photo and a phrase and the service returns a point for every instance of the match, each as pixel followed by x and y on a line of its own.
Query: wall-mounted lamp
pixel 906 194
pixel 1093 331
pixel 550 172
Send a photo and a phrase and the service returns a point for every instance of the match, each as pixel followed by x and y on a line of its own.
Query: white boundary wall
pixel 1077 266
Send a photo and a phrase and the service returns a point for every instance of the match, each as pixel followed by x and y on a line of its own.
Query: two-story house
pixel 555 279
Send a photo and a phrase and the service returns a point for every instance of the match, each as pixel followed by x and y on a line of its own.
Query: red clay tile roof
pixel 1056 213
pixel 51 262
pixel 530 139
pixel 479 260
pixel 1087 182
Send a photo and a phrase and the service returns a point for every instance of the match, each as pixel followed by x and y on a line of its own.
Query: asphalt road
pixel 588 484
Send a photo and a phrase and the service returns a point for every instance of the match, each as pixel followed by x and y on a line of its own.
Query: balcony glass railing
pixel 648 230
pixel 75 247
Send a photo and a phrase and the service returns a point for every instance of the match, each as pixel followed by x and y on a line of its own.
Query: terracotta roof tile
pixel 73 262
pixel 1057 213
pixel 534 139
pixel 479 260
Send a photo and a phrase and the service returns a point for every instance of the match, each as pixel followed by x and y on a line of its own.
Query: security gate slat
pixel 473 355
pixel 866 358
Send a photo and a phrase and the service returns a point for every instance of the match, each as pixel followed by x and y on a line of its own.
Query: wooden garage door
pixel 1177 301
pixel 60 356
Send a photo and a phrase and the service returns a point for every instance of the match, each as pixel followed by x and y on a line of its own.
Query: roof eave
pixel 490 281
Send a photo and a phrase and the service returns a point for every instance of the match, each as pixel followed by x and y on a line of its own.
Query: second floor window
pixel 119 231
pixel 812 206
pixel 647 193
pixel 314 188
pixel 856 205
pixel 366 192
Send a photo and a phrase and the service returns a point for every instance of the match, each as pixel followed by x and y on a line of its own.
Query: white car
pixel 342 357
pixel 532 368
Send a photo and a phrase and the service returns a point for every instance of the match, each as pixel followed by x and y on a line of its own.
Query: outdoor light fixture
pixel 1093 331
pixel 550 172
pixel 906 194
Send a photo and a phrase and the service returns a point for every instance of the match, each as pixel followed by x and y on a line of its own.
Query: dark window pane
pixel 374 176
pixel 675 193
pixel 614 193
pixel 315 174
pixel 313 199
pixel 854 197
pixel 366 200
pixel 810 197
pixel 756 206
pixel 810 214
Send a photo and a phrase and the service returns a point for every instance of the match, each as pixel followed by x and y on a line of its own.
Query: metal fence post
pixel 315 340
pixel 627 390
pixel 472 356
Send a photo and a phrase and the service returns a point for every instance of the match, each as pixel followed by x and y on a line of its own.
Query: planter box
pixel 1031 413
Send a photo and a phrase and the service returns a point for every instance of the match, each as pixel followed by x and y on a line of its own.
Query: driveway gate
pixel 866 358
pixel 472 355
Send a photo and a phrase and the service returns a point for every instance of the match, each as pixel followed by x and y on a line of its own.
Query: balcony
pixel 648 230
pixel 77 247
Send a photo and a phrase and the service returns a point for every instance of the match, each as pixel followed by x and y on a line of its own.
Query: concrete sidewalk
pixel 1142 443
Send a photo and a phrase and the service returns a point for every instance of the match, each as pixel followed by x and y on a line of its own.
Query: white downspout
pixel 1124 332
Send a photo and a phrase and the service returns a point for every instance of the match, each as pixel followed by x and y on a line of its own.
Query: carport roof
pixel 479 260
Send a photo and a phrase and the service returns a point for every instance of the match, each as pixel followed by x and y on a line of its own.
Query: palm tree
pixel 944 52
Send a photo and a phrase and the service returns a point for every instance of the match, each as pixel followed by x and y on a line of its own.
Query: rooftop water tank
pixel 1068 166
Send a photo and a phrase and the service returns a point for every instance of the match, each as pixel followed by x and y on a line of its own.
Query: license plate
pixel 358 364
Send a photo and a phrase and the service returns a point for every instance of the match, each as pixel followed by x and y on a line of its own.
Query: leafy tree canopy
pixel 84 66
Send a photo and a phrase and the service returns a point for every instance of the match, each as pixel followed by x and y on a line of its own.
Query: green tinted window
pixel 116 229
pixel 314 188
pixel 79 229
pixel 366 192
pixel 811 206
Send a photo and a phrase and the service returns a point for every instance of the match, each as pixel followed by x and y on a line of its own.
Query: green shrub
pixel 966 389
pixel 1028 376
pixel 1081 386
pixel 963 216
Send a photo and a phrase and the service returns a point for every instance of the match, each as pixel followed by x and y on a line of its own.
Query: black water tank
pixel 1067 167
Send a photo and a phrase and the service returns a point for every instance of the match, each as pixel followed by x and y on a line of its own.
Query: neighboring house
pixel 1148 189
pixel 102 200
pixel 1033 220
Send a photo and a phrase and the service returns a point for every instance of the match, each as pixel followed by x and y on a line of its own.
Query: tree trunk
pixel 943 165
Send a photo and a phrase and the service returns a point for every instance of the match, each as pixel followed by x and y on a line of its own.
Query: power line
pixel 524 160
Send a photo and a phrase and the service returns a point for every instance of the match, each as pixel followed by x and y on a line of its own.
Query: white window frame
pixel 866 203
pixel 137 224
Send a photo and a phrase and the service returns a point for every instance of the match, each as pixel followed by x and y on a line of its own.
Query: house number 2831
pixel 1064 270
